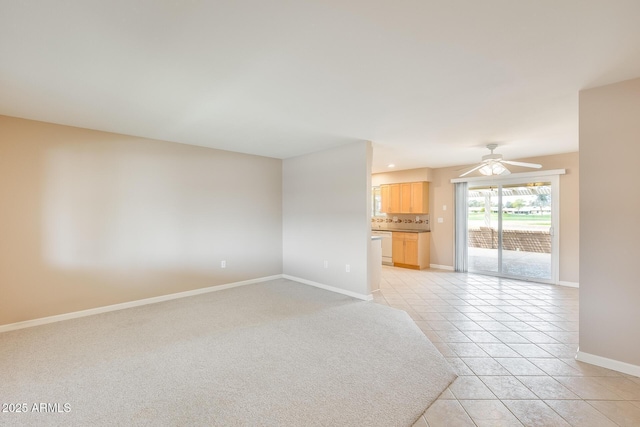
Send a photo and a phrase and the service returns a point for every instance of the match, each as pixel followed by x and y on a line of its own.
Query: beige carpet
pixel 275 354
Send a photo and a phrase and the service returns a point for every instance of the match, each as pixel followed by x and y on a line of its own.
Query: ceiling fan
pixel 493 164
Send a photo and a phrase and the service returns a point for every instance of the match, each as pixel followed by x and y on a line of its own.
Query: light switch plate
pixel 440 220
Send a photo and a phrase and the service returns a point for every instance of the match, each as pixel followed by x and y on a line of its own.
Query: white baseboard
pixel 328 288
pixel 569 284
pixel 616 365
pixel 161 298
pixel 442 267
pixel 129 304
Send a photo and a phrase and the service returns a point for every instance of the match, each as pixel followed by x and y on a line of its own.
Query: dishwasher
pixel 387 245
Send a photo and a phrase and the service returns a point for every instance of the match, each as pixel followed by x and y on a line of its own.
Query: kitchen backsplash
pixel 401 222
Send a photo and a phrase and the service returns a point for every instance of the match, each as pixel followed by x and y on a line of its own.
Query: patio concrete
pixel 521 264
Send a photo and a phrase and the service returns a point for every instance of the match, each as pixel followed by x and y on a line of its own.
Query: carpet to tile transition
pixel 277 353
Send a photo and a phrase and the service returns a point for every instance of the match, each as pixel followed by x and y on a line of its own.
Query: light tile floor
pixel 512 344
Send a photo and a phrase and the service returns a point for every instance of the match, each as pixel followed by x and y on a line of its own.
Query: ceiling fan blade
pixel 472 170
pixel 523 164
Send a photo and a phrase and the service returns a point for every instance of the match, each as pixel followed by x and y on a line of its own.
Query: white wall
pixel 92 218
pixel 609 224
pixel 326 216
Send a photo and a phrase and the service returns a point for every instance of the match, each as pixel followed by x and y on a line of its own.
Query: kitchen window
pixel 377 203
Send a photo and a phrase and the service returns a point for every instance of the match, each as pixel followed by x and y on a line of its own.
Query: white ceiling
pixel 430 83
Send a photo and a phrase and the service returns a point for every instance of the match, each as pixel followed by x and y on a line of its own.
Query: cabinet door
pixel 394 197
pixel 424 249
pixel 405 198
pixel 420 197
pixel 397 248
pixel 385 199
pixel 411 249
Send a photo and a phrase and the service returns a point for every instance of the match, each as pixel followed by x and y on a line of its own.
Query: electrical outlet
pixel 440 220
pixel 348 268
pixel 326 264
pixel 223 264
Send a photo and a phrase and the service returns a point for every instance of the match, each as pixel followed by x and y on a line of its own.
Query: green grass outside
pixel 523 219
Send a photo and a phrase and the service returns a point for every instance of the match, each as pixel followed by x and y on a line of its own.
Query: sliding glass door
pixel 484 228
pixel 510 229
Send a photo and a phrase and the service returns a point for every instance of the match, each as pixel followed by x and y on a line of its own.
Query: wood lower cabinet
pixel 411 250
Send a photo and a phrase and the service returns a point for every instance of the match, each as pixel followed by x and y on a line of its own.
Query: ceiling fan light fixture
pixel 494 164
pixel 493 168
pixel 486 170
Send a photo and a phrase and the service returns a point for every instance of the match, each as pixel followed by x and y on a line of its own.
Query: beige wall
pixel 90 218
pixel 441 195
pixel 326 217
pixel 609 225
pixel 408 175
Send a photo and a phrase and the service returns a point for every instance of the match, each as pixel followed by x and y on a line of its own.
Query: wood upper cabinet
pixel 390 198
pixel 406 198
pixel 385 198
pixel 411 250
pixel 419 197
pixel 394 196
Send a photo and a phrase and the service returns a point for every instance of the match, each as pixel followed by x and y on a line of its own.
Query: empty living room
pixel 319 213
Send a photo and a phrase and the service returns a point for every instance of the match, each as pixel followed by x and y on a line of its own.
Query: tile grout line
pixel 551 320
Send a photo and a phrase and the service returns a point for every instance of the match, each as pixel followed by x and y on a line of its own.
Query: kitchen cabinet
pixel 411 250
pixel 385 199
pixel 405 198
pixel 414 198
pixel 390 198
pixel 419 198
